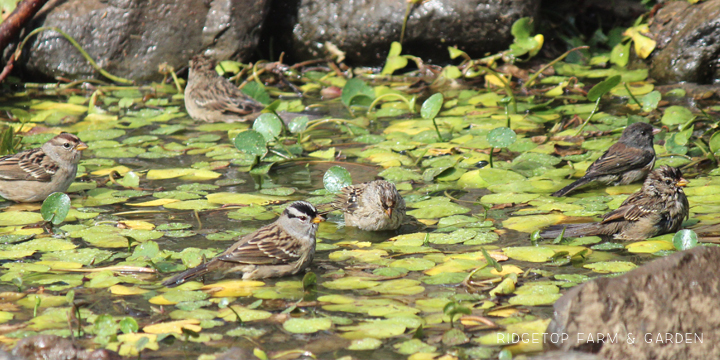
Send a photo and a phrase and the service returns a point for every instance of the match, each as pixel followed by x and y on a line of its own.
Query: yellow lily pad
pixel 173 327
pixel 232 288
pixel 225 198
pixel 649 247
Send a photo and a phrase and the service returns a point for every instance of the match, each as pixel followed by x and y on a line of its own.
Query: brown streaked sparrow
pixel 213 98
pixel 373 206
pixel 659 207
pixel 285 247
pixel 627 161
pixel 32 175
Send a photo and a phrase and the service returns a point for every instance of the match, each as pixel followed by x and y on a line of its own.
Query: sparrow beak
pixel 388 211
pixel 81 146
pixel 318 219
pixel 656 131
pixel 682 182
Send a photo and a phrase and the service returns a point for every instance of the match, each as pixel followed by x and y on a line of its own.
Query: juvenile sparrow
pixel 659 207
pixel 285 247
pixel 373 206
pixel 213 98
pixel 32 175
pixel 627 161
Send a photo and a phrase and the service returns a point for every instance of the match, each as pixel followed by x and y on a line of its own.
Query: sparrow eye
pixel 302 217
pixel 66 145
pixel 668 181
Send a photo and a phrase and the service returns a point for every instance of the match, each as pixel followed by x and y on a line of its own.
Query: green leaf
pixel 455 52
pixel 298 124
pixel 336 178
pixel 257 92
pixel 603 87
pixel 685 239
pixel 251 142
pixel 269 125
pixel 355 88
pixel 55 208
pixel 676 115
pixel 522 28
pixel 128 325
pixel 650 101
pixel 501 137
pixel 620 54
pixel 715 142
pixel 431 107
pixel 394 60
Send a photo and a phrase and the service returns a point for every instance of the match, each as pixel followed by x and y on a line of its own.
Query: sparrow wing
pixel 223 96
pixel 32 165
pixel 268 246
pixel 349 198
pixel 619 159
pixel 632 209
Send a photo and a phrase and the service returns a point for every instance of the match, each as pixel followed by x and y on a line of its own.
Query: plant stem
pixel 597 105
pixel 77 46
pixel 407 102
pixel 631 94
pixel 491 152
pixel 531 80
pixel 438 131
pixel 405 19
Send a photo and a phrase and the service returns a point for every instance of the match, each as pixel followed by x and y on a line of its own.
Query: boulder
pixel 667 309
pixel 365 29
pixel 130 38
pixel 688 42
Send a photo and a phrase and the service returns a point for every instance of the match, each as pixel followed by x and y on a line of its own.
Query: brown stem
pixel 8 67
pixel 10 28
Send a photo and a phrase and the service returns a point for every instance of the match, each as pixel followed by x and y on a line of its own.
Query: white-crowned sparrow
pixel 627 161
pixel 285 247
pixel 373 206
pixel 658 208
pixel 32 175
pixel 213 98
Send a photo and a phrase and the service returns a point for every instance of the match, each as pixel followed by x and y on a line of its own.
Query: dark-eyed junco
pixel 32 175
pixel 659 207
pixel 213 98
pixel 627 161
pixel 285 247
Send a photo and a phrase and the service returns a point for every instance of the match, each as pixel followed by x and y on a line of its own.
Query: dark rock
pixel 688 42
pixel 130 38
pixel 638 313
pixel 42 347
pixel 365 29
pixel 562 355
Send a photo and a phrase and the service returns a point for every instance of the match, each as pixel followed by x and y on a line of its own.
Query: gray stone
pixel 641 310
pixel 130 38
pixel 688 42
pixel 364 29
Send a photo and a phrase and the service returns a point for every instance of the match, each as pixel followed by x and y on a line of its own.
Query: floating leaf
pixel 355 88
pixel 336 178
pixel 307 326
pixel 501 137
pixel 298 124
pixel 55 208
pixel 685 239
pixel 251 142
pixel 268 125
pixel 610 266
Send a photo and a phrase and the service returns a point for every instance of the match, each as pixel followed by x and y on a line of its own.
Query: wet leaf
pixel 610 266
pixel 55 208
pixel 307 326
pixel 431 107
pixel 356 88
pixel 685 239
pixel 268 125
pixel 251 142
pixel 336 178
pixel 501 137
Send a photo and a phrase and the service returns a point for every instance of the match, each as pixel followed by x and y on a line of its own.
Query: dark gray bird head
pixel 639 135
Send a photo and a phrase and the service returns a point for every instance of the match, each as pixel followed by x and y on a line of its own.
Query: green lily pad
pixel 610 266
pixel 307 326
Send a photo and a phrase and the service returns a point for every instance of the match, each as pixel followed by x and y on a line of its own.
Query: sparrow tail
pixel 187 275
pixel 579 182
pixel 572 230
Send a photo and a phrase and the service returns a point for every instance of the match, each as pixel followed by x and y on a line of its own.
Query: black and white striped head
pixel 301 217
